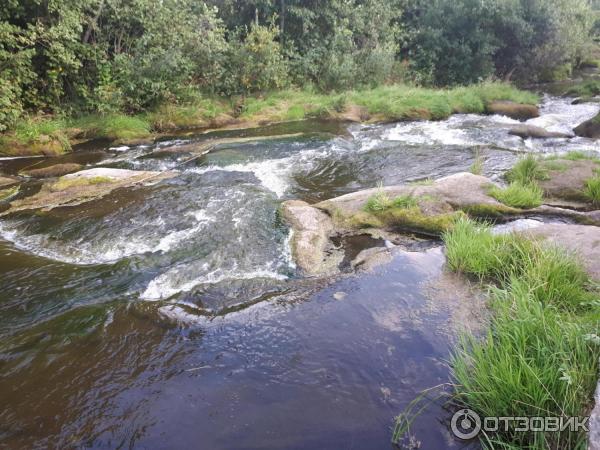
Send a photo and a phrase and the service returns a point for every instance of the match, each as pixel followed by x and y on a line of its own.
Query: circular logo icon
pixel 465 424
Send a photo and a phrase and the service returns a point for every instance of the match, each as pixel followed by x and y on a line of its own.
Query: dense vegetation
pixel 104 56
pixel 540 356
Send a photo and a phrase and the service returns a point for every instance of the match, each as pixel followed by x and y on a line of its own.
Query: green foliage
pixel 587 89
pixel 527 171
pixel 404 201
pixel 379 201
pixel 113 127
pixel 592 189
pixel 462 41
pixel 518 195
pixel 541 354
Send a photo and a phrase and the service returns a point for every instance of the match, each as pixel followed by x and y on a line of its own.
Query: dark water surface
pixel 172 316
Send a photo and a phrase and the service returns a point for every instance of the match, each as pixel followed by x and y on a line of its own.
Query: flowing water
pixel 172 316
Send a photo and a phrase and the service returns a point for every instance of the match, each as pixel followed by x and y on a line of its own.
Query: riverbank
pixel 540 356
pixel 54 136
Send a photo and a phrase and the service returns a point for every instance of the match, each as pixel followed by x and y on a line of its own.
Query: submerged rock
pixel 56 170
pixel 203 147
pixel 531 131
pixel 84 186
pixel 518 111
pixel 310 240
pixel 589 128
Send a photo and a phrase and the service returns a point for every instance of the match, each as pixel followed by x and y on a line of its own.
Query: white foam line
pixel 159 288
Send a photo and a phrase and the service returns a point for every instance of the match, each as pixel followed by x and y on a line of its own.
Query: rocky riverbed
pixel 265 300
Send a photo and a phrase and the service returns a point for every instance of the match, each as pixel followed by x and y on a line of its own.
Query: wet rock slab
pixel 87 185
pixel 56 170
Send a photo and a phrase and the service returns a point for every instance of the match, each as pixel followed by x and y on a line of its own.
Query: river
pixel 173 316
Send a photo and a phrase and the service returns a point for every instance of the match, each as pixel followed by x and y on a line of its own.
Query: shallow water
pixel 172 314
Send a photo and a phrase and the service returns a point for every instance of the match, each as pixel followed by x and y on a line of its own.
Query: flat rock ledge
pixel 432 208
pixel 84 186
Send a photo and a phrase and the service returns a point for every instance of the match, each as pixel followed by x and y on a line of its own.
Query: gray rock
pixel 531 131
pixel 311 229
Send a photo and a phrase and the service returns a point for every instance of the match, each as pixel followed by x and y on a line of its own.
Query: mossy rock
pixel 518 111
pixel 45 145
pixel 432 208
pixel 84 186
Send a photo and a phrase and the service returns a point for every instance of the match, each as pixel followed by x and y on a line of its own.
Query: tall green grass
pixel 519 195
pixel 592 190
pixel 540 356
pixel 527 171
pixel 112 127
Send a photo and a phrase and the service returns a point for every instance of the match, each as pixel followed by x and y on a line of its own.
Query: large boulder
pixel 518 111
pixel 57 170
pixel 589 128
pixel 84 186
pixel 531 131
pixel 310 240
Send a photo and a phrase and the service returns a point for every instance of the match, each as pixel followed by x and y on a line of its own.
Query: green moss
pixel 6 194
pixel 518 195
pixel 69 182
pixel 488 211
pixel 403 212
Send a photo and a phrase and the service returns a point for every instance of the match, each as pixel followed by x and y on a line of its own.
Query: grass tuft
pixel 519 195
pixel 527 171
pixel 592 189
